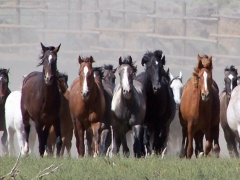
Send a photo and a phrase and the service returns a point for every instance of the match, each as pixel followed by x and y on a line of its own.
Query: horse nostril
pixel 87 93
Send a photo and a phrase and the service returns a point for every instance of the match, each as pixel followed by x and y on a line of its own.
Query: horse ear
pixel 130 58
pixel 120 61
pixel 8 70
pixel 199 57
pixel 91 59
pixel 144 60
pixel 44 49
pixel 80 60
pixel 57 48
pixel 171 76
pixel 180 75
pixel 163 60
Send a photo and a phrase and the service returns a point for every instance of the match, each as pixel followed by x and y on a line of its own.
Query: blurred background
pixel 109 29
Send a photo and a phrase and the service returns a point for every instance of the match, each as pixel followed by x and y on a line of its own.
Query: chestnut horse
pixel 4 92
pixel 65 119
pixel 40 100
pixel 230 80
pixel 199 110
pixel 87 105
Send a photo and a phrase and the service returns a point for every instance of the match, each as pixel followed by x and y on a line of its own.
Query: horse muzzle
pixel 205 96
pixel 85 95
pixel 2 99
pixel 156 88
pixel 48 80
pixel 127 94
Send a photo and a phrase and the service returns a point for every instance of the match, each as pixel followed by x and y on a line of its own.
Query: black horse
pixel 4 92
pixel 160 104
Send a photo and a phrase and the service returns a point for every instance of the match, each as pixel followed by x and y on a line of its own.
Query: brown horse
pixel 65 119
pixel 87 105
pixel 4 92
pixel 199 109
pixel 230 79
pixel 40 100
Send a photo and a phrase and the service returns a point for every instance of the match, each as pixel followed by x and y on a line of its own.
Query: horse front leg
pixel 208 146
pixel 4 142
pixel 79 135
pixel 57 129
pixel 42 132
pixel 189 147
pixel 215 134
pixel 198 137
pixel 96 131
pixel 138 140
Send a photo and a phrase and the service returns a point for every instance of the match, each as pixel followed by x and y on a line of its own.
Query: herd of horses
pixel 156 107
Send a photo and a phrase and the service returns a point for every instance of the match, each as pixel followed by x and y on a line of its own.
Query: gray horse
pixel 128 108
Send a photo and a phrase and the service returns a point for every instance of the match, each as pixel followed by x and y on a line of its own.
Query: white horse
pixel 233 113
pixel 175 133
pixel 13 118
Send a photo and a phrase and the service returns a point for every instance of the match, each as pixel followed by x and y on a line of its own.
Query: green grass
pixel 125 168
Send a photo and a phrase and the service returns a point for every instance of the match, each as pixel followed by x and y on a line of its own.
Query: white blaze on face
pixel 49 58
pixel 85 86
pixel 231 84
pixel 156 62
pixel 176 86
pixel 205 80
pixel 125 82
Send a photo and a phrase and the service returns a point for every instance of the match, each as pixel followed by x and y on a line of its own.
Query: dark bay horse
pixel 4 92
pixel 128 108
pixel 65 119
pixel 107 75
pixel 160 104
pixel 230 79
pixel 40 100
pixel 87 105
pixel 199 110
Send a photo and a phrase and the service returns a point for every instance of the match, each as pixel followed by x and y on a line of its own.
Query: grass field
pixel 124 168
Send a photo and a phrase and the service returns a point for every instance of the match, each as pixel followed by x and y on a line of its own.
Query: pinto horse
pixel 160 104
pixel 40 100
pixel 199 110
pixel 128 108
pixel 230 80
pixel 4 92
pixel 87 105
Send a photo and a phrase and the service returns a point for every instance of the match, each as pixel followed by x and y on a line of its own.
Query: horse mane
pixel 128 60
pixel 5 71
pixel 99 70
pixel 62 75
pixel 231 69
pixel 108 67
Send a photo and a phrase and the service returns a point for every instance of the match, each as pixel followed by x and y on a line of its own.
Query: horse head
pixel 176 85
pixel 230 80
pixel 62 80
pixel 126 72
pixel 3 84
pixel 49 62
pixel 154 62
pixel 86 75
pixel 109 73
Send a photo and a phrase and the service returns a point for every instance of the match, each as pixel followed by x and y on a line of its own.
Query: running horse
pixel 230 80
pixel 160 104
pixel 199 110
pixel 87 105
pixel 128 108
pixel 40 100
pixel 4 92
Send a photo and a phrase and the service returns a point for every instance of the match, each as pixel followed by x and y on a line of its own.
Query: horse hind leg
pixel 216 146
pixel 96 132
pixel 104 141
pixel 27 127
